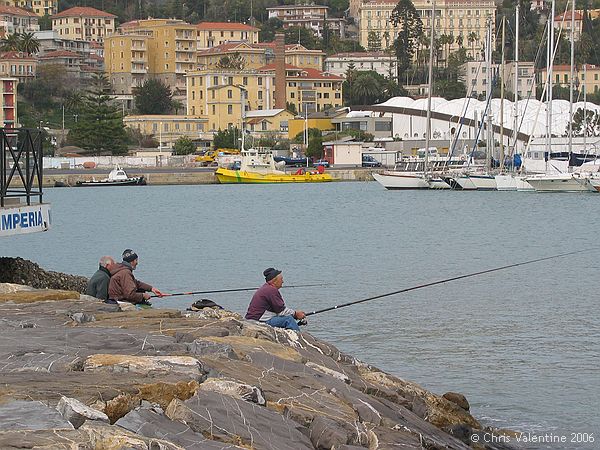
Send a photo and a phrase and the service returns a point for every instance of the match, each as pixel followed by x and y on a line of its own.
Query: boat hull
pixel 465 183
pixel 561 183
pixel 227 176
pixel 402 180
pixel 438 183
pixel 483 182
pixel 137 181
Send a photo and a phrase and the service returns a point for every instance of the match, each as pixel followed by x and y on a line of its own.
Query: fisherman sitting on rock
pixel 123 286
pixel 268 306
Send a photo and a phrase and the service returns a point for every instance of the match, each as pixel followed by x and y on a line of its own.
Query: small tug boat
pixel 258 166
pixel 116 177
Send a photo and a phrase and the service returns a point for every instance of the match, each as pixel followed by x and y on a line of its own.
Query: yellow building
pixel 310 90
pixel 161 48
pixel 84 23
pixel 253 57
pixel 268 121
pixel 166 129
pixel 587 77
pixel 18 65
pixel 213 34
pixel 261 54
pixel 8 100
pixel 220 94
pixel 39 7
pixel 464 18
pixel 321 120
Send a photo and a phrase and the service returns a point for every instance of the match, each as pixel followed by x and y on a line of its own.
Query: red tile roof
pixel 567 16
pixel 16 55
pixel 229 26
pixel 224 48
pixel 60 54
pixel 361 55
pixel 84 11
pixel 15 11
pixel 307 73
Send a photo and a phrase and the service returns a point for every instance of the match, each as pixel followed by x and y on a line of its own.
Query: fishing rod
pixel 447 280
pixel 217 291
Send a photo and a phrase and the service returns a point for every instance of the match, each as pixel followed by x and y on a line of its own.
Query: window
pixel 165 127
pixel 260 81
pixel 212 94
pixel 264 125
pixel 229 93
pixel 214 109
pixel 215 81
pixel 193 95
pixel 245 81
pixel 260 95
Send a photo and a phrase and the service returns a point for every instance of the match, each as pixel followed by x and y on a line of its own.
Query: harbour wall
pixel 181 178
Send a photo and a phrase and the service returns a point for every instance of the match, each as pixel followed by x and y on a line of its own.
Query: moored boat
pixel 562 182
pixel 116 177
pixel 258 166
pixel 402 180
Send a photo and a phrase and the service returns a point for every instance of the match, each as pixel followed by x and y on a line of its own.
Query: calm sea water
pixel 522 344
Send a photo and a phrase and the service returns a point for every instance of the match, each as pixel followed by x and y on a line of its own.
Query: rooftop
pixel 232 26
pixel 84 11
pixel 15 11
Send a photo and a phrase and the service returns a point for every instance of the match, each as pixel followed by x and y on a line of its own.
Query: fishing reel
pixel 302 322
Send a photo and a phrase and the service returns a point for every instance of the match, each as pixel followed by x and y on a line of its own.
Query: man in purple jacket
pixel 268 306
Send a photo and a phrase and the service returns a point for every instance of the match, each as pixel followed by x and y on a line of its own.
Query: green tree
pixel 291 107
pixel 366 89
pixel 306 37
pixel 100 128
pixel 28 43
pixel 269 28
pixel 45 23
pixel 226 138
pixel 184 146
pixel 472 38
pixel 10 43
pixel 588 123
pixel 153 97
pixel 449 89
pixel 406 18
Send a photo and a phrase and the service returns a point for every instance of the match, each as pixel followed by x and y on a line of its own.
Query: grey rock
pixel 81 317
pixel 231 420
pixel 149 423
pixel 211 349
pixel 235 389
pixel 326 433
pixel 366 412
pixel 77 413
pixel 22 271
pixel 23 415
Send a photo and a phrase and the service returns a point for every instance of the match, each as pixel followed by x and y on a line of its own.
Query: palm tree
pixel 472 37
pixel 10 43
pixel 366 89
pixel 460 40
pixel 28 43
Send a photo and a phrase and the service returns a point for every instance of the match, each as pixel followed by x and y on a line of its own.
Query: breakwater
pixel 178 177
pixel 79 372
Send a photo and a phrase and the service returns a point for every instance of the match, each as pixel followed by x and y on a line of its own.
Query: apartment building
pixel 268 121
pixel 166 129
pixel 474 75
pixel 85 23
pixel 50 41
pixel 312 17
pixel 465 20
pixel 212 34
pixel 563 22
pixel 8 102
pixel 39 7
pixel 380 62
pixel 587 77
pixel 310 90
pixel 18 65
pixel 158 48
pixel 17 20
pixel 222 95
pixel 261 54
pixel 253 56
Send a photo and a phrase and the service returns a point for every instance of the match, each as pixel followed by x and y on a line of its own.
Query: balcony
pixel 138 69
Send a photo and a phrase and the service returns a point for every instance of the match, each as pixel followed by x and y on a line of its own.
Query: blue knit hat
pixel 271 273
pixel 129 255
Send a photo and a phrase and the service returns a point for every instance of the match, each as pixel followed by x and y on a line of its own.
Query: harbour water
pixel 522 344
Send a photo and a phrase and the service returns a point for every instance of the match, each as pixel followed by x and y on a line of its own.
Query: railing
pixel 20 160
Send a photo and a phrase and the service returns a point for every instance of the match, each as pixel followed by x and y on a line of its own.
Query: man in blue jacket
pixel 267 304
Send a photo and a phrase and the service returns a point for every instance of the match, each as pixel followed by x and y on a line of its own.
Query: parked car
pixel 370 161
pixel 294 162
pixel 321 162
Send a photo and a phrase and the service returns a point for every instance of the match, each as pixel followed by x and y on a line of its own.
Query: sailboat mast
pixel 516 111
pixel 550 65
pixel 501 72
pixel 429 88
pixel 488 60
pixel 584 107
pixel 571 79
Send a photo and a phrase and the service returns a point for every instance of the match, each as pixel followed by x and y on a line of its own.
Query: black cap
pixel 271 273
pixel 129 255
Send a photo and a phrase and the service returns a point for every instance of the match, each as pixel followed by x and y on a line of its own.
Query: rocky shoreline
pixel 81 374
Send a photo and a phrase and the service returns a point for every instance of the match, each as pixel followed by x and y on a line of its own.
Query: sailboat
pixel 396 179
pixel 562 182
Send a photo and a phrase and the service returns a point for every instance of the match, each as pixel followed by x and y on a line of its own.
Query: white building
pixel 17 20
pixel 380 62
pixel 312 17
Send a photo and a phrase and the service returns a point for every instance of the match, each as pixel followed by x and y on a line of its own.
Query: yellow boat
pixel 258 166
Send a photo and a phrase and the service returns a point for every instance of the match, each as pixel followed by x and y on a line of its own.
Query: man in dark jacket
pixel 267 304
pixel 98 284
pixel 124 287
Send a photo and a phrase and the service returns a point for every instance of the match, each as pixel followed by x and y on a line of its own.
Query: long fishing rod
pixel 217 291
pixel 447 280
